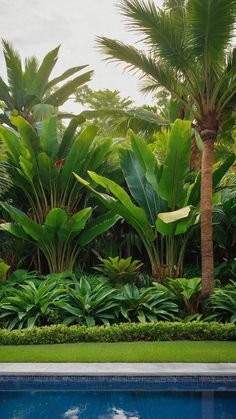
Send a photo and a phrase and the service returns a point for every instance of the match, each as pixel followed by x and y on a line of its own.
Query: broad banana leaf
pixel 147 160
pixel 78 153
pixel 11 142
pixel 74 225
pixel 141 190
pixel 174 222
pixel 98 226
pixel 16 230
pixel 55 219
pixel 30 227
pixel 68 137
pixel 176 166
pixel 121 204
pixel 172 216
pixel 46 171
pixel 28 135
pixel 49 141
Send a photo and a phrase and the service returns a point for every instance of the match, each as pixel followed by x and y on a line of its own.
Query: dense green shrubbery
pixel 29 300
pixel 222 303
pixel 124 332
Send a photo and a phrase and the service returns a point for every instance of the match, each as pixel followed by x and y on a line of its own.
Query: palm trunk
pixel 195 156
pixel 206 217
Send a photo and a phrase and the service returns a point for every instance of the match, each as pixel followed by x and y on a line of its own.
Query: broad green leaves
pixel 29 89
pixel 61 236
pixel 176 165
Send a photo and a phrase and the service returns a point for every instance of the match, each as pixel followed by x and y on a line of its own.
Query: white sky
pixel 36 26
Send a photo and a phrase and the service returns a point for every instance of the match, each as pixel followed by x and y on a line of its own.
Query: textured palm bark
pixel 207 256
pixel 195 156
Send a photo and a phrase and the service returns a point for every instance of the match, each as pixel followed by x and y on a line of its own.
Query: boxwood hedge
pixel 125 332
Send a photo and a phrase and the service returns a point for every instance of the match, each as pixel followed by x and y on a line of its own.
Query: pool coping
pixel 118 369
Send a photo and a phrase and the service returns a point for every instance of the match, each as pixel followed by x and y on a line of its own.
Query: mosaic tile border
pixel 117 383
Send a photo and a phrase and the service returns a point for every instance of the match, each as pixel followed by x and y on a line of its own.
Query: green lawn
pixel 182 351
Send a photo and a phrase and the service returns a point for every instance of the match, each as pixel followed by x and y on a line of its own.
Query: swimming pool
pixel 114 397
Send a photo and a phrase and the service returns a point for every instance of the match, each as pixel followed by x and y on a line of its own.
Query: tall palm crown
pixel 187 51
pixel 28 87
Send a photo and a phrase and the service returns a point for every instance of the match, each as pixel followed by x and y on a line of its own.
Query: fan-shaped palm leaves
pixel 29 88
pixel 187 52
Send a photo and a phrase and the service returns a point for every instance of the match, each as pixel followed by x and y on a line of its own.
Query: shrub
pixel 119 271
pixel 30 305
pixel 222 303
pixel 145 304
pixel 88 305
pixel 126 332
pixel 186 293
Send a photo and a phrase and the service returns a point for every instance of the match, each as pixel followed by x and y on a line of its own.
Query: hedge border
pixel 124 332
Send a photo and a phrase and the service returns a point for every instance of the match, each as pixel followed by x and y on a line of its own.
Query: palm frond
pixel 140 120
pixel 163 32
pixel 14 73
pixel 140 62
pixel 211 24
pixel 231 60
pixel 41 78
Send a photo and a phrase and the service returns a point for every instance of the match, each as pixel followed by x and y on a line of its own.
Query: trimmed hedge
pixel 125 332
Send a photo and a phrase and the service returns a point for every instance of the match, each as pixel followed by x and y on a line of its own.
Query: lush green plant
pixel 127 332
pixel 226 270
pixel 186 292
pixel 61 237
pixel 165 216
pixel 30 305
pixel 119 270
pixel 41 167
pixel 88 305
pixel 189 53
pixel 28 88
pixel 223 304
pixel 140 304
pixel 41 164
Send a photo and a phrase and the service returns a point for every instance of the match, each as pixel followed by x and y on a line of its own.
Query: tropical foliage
pixel 189 53
pixel 118 189
pixel 167 209
pixel 29 88
pixel 119 270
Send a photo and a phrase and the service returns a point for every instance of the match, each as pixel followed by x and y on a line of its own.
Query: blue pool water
pixel 117 398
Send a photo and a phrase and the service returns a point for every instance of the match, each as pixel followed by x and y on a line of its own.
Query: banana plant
pixel 41 164
pixel 167 206
pixel 62 236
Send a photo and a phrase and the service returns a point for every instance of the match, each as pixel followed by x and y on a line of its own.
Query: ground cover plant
pixel 71 299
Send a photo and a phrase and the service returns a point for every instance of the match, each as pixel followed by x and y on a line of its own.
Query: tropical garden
pixel 118 223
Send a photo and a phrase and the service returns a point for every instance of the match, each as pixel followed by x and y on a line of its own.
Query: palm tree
pixel 28 88
pixel 188 53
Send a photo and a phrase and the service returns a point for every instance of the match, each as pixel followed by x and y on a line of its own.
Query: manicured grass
pixel 181 351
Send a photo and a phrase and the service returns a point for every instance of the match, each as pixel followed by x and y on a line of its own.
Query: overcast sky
pixel 36 26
